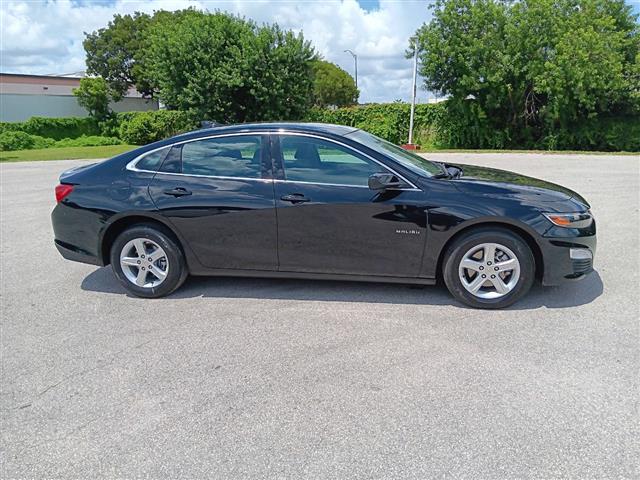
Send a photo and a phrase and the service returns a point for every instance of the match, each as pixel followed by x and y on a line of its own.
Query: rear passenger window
pixel 235 156
pixel 152 161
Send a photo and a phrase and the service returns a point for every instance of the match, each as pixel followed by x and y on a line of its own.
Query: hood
pixel 490 182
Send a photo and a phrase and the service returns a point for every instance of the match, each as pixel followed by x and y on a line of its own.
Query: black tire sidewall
pixel 510 240
pixel 177 270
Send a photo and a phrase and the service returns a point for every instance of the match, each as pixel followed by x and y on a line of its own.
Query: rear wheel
pixel 148 261
pixel 489 268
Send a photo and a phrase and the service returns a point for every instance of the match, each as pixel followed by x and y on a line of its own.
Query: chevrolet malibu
pixel 317 201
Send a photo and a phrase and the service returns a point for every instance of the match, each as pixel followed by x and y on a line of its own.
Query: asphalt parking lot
pixel 245 378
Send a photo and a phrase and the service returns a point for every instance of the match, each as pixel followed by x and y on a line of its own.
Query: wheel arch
pixel 516 229
pixel 119 225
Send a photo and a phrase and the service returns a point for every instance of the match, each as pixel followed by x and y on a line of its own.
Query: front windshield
pixel 413 162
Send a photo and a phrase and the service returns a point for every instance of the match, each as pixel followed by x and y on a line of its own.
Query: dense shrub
pixel 442 125
pixel 132 127
pixel 55 128
pixel 467 127
pixel 42 142
pixel 602 134
pixel 464 125
pixel 111 126
pixel 139 128
pixel 388 120
pixel 88 141
pixel 16 140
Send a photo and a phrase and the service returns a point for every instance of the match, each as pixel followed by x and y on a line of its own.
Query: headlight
pixel 570 220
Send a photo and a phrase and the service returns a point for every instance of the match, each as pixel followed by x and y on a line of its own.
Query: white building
pixel 26 96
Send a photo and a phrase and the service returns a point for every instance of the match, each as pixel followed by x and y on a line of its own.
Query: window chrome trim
pixel 221 177
pixel 131 166
pixel 322 183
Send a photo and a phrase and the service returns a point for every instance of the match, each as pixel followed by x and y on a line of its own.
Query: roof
pixel 329 128
pixel 61 85
pixel 7 79
pixel 28 75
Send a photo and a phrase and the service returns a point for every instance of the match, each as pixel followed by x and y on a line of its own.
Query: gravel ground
pixel 246 378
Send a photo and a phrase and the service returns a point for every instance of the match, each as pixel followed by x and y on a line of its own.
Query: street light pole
pixel 355 60
pixel 413 90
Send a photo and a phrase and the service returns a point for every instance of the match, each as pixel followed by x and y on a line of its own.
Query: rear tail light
pixel 62 191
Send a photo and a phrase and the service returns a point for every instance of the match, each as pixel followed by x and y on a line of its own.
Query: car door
pixel 218 193
pixel 329 221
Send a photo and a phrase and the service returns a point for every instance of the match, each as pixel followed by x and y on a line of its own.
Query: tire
pixel 131 253
pixel 489 252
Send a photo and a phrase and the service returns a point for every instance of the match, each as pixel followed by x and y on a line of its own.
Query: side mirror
pixel 383 181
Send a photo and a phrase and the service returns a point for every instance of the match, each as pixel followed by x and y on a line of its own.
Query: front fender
pixel 442 234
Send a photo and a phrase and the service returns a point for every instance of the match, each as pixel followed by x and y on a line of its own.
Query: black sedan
pixel 318 201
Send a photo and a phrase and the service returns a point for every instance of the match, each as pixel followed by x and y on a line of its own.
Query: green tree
pixel 333 86
pixel 94 95
pixel 224 68
pixel 525 68
pixel 117 54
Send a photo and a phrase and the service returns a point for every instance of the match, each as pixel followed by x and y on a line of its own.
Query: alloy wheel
pixel 489 270
pixel 144 262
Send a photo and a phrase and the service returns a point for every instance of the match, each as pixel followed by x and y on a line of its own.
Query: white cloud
pixel 46 37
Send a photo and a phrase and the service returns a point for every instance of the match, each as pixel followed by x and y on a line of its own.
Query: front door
pixel 218 193
pixel 329 221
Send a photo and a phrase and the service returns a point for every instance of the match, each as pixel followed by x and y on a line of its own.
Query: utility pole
pixel 413 89
pixel 355 59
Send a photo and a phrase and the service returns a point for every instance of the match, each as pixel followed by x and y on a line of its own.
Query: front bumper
pixel 567 258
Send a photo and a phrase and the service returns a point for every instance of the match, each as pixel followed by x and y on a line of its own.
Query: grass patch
pixel 65 153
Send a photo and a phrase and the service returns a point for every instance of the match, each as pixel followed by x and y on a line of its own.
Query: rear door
pixel 329 221
pixel 218 192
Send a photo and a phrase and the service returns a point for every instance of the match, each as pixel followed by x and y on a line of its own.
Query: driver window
pixel 314 160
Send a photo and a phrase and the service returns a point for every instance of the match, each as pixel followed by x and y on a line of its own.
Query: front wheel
pixel 148 261
pixel 489 268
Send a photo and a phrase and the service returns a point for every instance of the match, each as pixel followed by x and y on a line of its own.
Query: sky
pixel 45 37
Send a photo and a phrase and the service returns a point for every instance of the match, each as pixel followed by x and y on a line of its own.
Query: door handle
pixel 177 192
pixel 295 198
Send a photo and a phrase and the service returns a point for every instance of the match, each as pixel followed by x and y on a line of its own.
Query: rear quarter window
pixel 151 161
